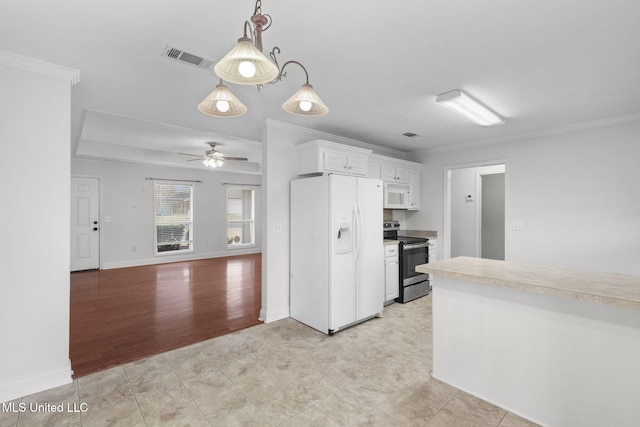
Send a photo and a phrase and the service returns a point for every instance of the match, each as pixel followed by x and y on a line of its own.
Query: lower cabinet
pixel 391 272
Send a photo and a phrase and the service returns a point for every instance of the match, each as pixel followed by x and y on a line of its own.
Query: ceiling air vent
pixel 186 57
pixel 410 134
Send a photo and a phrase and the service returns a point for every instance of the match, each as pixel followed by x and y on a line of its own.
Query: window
pixel 173 217
pixel 240 217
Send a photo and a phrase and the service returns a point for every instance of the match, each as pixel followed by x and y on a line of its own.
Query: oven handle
pixel 415 246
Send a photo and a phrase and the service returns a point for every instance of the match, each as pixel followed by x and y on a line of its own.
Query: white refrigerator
pixel 337 251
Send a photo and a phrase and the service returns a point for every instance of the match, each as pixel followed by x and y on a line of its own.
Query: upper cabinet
pixel 319 156
pixel 390 172
pixel 330 157
pixel 398 172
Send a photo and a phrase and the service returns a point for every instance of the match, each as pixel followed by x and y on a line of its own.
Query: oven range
pixel 413 251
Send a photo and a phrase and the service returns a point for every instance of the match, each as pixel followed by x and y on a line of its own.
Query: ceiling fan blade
pixel 240 159
pixel 187 154
pixel 195 160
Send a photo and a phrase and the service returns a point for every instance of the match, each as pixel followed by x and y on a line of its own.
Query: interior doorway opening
pixel 476 210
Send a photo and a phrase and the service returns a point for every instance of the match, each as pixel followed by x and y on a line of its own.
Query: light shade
pixel 242 57
pixel 305 102
pixel 222 103
pixel 469 108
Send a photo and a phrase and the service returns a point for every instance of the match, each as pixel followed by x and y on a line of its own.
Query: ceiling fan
pixel 213 158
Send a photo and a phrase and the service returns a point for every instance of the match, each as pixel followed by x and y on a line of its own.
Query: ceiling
pixel 378 66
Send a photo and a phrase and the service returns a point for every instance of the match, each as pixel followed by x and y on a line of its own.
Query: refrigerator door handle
pixel 356 233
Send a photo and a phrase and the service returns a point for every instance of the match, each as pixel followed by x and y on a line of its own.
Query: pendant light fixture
pixel 222 103
pixel 245 64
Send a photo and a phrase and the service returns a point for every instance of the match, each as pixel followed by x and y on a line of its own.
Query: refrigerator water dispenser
pixel 343 243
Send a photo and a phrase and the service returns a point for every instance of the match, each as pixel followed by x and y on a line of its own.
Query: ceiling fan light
pixel 222 103
pixel 246 65
pixel 469 108
pixel 305 102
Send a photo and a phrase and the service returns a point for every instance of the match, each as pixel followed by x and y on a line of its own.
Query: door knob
pixel 95 222
pixel 95 228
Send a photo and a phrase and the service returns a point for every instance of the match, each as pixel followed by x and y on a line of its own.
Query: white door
pixel 85 222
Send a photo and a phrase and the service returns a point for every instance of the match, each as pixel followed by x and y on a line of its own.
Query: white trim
pixel 27 386
pixel 273 316
pixel 37 66
pixel 547 132
pixel 401 155
pixel 176 258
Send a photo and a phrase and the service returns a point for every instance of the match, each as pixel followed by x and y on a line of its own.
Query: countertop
pixel 606 288
pixel 390 242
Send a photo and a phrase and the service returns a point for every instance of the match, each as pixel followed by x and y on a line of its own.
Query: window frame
pixel 190 224
pixel 251 221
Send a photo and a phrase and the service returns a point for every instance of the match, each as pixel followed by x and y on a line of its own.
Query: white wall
pixel 127 198
pixel 576 191
pixel 35 218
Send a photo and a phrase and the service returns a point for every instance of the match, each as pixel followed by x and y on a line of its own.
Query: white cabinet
pixel 414 190
pixel 329 157
pixel 398 171
pixel 375 169
pixel 393 173
pixel 391 272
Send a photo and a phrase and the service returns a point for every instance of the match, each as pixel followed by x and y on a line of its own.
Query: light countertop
pixel 390 242
pixel 606 288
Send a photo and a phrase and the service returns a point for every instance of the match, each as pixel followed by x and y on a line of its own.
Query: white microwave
pixel 396 196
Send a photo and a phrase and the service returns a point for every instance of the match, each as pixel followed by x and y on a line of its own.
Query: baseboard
pixel 176 258
pixel 32 385
pixel 273 316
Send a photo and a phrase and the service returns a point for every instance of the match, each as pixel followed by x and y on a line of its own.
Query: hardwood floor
pixel 125 314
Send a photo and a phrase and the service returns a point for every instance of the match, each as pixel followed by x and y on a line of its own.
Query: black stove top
pixel 407 239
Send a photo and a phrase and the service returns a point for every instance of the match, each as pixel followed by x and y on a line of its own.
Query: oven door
pixel 414 254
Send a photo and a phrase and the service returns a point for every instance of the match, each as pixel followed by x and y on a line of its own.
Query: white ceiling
pixel 377 65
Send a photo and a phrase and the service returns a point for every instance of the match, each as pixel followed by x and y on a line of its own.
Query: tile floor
pixel 284 373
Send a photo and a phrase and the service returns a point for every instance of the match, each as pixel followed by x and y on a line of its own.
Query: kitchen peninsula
pixel 558 347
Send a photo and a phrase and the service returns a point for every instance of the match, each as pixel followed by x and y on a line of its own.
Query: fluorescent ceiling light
pixel 469 108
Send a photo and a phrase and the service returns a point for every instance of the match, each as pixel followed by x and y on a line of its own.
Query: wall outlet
pixel 277 227
pixel 518 226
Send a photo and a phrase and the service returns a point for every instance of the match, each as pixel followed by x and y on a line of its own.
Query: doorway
pixel 85 223
pixel 476 210
pixel 490 215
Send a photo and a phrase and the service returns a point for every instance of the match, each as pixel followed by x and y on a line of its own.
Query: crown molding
pixel 390 152
pixel 574 127
pixel 37 66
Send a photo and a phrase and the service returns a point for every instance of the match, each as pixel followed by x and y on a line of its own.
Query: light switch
pixel 106 219
pixel 277 227
pixel 518 226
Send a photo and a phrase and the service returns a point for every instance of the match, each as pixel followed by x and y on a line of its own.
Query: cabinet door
pixel 357 165
pixel 402 175
pixel 334 162
pixel 392 279
pixel 388 172
pixel 414 190
pixel 374 170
